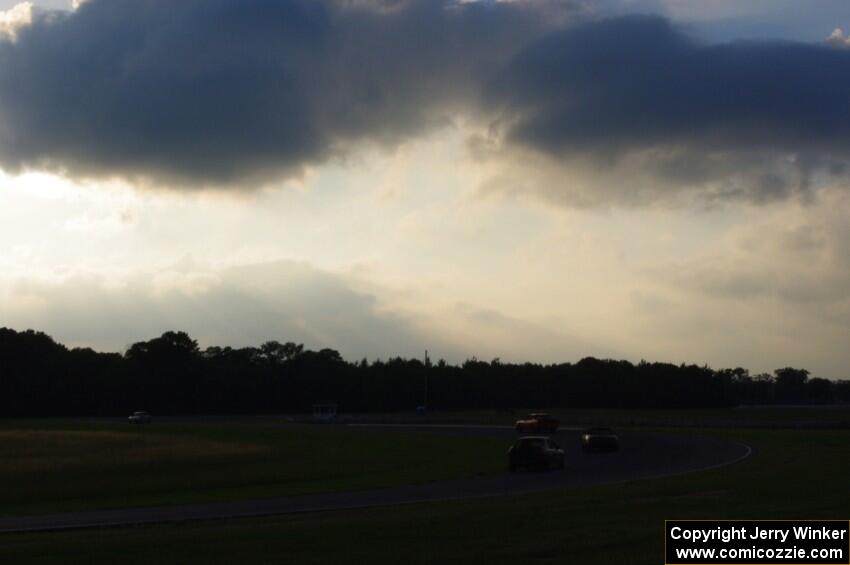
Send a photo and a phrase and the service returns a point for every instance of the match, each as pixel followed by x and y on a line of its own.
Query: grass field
pixel 49 466
pixel 794 474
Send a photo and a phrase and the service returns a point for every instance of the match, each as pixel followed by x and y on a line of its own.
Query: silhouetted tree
pixel 170 375
pixel 168 349
pixel 276 353
pixel 791 385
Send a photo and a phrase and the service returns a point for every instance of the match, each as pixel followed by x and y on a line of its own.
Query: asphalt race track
pixel 642 455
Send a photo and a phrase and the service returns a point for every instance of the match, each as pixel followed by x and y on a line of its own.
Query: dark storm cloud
pixel 225 91
pixel 605 90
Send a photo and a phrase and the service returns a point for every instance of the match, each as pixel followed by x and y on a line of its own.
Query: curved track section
pixel 642 456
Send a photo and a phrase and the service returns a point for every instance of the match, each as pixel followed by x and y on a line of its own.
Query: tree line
pixel 170 374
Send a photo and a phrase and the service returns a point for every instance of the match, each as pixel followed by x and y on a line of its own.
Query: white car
pixel 139 418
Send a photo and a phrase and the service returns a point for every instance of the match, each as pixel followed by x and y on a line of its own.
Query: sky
pixel 535 180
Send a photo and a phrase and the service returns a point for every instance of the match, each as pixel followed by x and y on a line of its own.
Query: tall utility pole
pixel 425 404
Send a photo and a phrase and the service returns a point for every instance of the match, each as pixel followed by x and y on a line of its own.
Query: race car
pixel 537 423
pixel 535 452
pixel 599 439
pixel 139 418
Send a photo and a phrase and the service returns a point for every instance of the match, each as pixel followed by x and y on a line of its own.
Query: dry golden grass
pixel 58 466
pixel 49 450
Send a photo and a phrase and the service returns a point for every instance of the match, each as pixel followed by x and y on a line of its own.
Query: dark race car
pixel 139 418
pixel 535 452
pixel 599 440
pixel 537 423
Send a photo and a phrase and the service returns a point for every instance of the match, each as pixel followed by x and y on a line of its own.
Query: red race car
pixel 537 423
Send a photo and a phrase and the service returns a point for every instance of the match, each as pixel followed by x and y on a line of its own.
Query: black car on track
pixel 599 439
pixel 535 452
